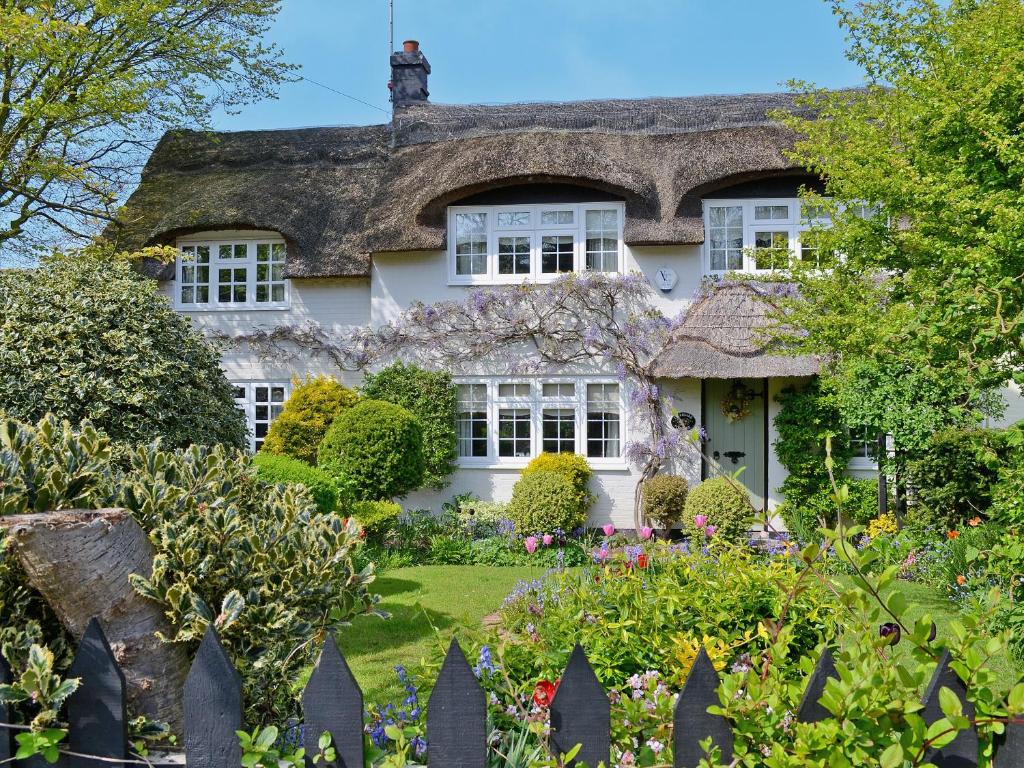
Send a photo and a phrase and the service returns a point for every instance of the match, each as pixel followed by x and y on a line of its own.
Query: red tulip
pixel 544 693
pixel 641 560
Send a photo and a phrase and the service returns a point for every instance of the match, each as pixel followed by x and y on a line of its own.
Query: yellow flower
pixel 883 524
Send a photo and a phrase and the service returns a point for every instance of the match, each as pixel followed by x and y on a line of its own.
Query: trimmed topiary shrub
pixel 85 337
pixel 724 505
pixel 489 512
pixel 289 471
pixel 376 517
pixel 663 499
pixel 307 415
pixel 573 468
pixel 544 501
pixel 378 446
pixel 430 397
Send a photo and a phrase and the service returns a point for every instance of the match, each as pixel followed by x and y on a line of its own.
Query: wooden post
pixel 456 716
pixel 581 713
pixel 97 711
pixel 693 723
pixel 811 710
pixel 333 702
pixel 213 708
pixel 962 752
pixel 6 735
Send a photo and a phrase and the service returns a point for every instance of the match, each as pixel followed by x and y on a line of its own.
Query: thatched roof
pixel 721 337
pixel 340 194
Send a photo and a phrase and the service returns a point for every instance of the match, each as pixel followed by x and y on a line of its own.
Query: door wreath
pixel 736 405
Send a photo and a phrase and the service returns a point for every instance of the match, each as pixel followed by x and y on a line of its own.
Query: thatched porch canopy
pixel 722 337
pixel 339 194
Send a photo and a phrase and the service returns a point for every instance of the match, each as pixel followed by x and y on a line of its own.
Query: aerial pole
pixel 391 38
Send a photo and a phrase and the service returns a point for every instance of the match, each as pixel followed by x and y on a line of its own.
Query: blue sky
pixel 488 51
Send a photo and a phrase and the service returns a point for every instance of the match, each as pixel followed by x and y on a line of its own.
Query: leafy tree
pixel 924 172
pixel 430 397
pixel 85 85
pixel 85 337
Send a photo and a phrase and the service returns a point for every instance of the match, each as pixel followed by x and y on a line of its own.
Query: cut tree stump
pixel 80 560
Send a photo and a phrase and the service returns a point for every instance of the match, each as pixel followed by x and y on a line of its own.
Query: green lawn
pixel 420 599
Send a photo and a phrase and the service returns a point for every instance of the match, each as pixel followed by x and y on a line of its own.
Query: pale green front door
pixel 738 442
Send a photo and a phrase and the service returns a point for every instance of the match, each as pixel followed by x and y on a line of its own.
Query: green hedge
pixel 544 501
pixel 724 504
pixel 284 469
pixel 376 445
pixel 307 415
pixel 664 499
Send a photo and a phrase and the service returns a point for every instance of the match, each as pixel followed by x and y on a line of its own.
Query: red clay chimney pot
pixel 410 46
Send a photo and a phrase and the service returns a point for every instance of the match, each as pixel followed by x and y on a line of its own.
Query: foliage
pixel 664 498
pixel 932 141
pixel 377 518
pixel 308 412
pixel 430 397
pixel 808 423
pixel 263 749
pixel 875 702
pixel 884 524
pixel 485 512
pixel 86 86
pixel 573 468
pixel 38 683
pixel 723 505
pixel 379 446
pixel 544 501
pixel 87 338
pixel 284 469
pixel 954 476
pixel 1008 493
pixel 259 561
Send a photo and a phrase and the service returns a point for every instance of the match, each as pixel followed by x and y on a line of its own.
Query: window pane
pixel 514 389
pixel 771 212
pixel 471 420
pixel 194 275
pixel 549 218
pixel 558 389
pixel 514 432
pixel 513 255
pixel 513 219
pixel 558 430
pixel 725 237
pixel 772 249
pixel 556 254
pixel 270 282
pixel 602 241
pixel 603 434
pixel 471 243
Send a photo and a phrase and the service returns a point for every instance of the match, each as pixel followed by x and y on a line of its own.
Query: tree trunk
pixel 80 560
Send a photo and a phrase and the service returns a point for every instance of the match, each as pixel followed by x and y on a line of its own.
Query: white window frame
pixel 536 232
pixel 537 404
pixel 213 241
pixel 794 225
pixel 862 462
pixel 247 404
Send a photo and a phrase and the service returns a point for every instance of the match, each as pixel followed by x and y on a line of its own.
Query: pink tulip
pixel 608 529
pixel 531 544
pixel 548 538
pixel 710 531
pixel 646 532
pixel 700 520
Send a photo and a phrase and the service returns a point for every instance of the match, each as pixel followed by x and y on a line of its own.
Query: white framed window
pixel 516 243
pixel 863 445
pixel 507 421
pixel 762 235
pixel 261 402
pixel 231 271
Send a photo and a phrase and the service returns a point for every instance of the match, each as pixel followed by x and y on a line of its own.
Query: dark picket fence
pixel 456 713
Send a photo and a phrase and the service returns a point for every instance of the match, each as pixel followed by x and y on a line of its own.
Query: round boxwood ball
pixel 544 501
pixel 378 446
pixel 724 504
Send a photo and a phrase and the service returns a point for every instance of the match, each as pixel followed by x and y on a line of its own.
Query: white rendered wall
pixel 1014 400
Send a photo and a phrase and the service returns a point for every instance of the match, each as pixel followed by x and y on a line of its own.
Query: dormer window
pixel 760 235
pixel 221 271
pixel 516 243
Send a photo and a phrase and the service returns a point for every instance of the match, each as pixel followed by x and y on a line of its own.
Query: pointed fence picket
pixel 456 712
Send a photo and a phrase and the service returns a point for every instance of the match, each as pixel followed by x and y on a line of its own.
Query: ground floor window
pixel 261 402
pixel 506 420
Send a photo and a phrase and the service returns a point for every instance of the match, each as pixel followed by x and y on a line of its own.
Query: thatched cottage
pixel 347 226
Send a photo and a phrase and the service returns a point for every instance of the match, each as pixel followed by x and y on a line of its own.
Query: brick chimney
pixel 409 70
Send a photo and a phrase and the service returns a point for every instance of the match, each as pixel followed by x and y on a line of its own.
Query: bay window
pixel 506 422
pixel 237 273
pixel 515 243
